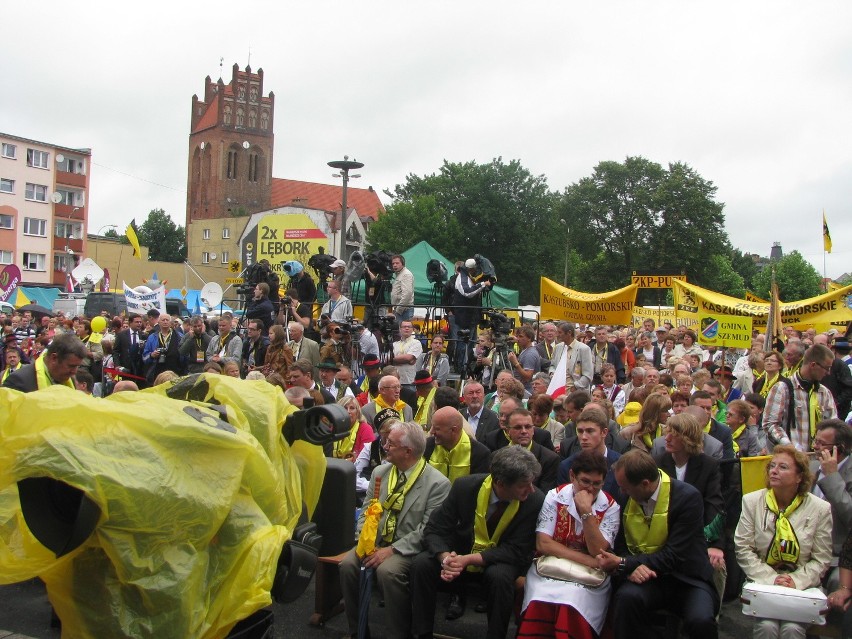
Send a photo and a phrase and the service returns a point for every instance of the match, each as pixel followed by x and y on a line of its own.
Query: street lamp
pixel 98 234
pixel 344 166
pixel 565 277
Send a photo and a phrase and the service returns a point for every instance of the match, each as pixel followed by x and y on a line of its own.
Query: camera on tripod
pixel 254 275
pixel 500 324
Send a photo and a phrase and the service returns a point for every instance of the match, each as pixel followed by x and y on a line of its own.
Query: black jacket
pixel 496 439
pixel 23 379
pixel 126 355
pixel 612 357
pixel 488 422
pixel 260 310
pixel 450 527
pixel 702 472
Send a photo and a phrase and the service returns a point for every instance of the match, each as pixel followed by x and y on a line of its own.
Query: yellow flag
pixel 826 236
pixel 130 232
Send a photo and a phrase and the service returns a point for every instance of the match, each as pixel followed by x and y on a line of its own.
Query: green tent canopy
pixel 416 259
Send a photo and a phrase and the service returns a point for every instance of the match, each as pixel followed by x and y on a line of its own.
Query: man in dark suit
pixel 485 528
pixel 254 347
pixel 520 433
pixel 483 420
pixel 129 344
pixel 451 450
pixel 57 366
pixel 498 439
pixel 592 432
pixel 664 564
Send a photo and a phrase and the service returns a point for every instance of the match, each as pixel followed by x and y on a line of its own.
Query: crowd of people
pixel 620 496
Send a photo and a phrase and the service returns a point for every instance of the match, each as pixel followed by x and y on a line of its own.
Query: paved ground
pixel 25 612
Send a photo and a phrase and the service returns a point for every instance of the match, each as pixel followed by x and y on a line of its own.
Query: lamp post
pixel 344 166
pixel 98 234
pixel 565 277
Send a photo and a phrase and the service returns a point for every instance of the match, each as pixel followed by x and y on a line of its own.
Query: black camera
pixel 379 263
pixel 436 272
pixel 484 265
pixel 321 263
pixel 499 323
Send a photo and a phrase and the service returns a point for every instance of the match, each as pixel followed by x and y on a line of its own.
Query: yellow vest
pixel 646 535
pixel 43 378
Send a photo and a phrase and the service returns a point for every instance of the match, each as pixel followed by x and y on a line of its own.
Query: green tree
pixel 166 241
pixel 745 265
pixel 497 209
pixel 111 233
pixel 796 277
pixel 722 277
pixel 643 217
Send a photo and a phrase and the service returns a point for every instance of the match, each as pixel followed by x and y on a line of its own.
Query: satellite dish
pixel 246 145
pixel 203 144
pixel 211 294
pixel 212 256
pixel 60 158
pixel 87 269
pixel 56 198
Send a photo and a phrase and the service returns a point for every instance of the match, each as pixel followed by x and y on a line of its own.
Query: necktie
pixel 494 519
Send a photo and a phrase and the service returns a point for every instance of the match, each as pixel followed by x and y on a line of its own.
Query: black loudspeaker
pixel 335 512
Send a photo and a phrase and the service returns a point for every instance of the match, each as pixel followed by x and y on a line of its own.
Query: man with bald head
pixel 388 397
pixel 124 386
pixel 451 450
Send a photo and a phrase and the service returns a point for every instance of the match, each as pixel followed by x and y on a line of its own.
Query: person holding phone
pixel 833 483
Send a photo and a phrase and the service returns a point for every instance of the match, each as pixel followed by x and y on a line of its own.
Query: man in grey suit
pixel 302 347
pixel 579 369
pixel 408 489
pixel 833 483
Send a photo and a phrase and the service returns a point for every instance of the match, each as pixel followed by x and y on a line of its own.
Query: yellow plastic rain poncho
pixel 195 508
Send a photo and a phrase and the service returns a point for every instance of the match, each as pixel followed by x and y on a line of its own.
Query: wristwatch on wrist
pixel 587 515
pixel 622 565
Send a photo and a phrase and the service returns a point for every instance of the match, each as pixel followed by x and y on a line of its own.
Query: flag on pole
pixel 774 327
pixel 69 283
pixel 105 281
pixel 557 382
pixel 130 232
pixel 826 236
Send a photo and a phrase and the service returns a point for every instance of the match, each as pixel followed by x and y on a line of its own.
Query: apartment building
pixel 44 197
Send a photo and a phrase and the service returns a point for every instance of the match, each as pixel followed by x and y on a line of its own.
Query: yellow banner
pixel 751 297
pixel 660 316
pixel 724 331
pixel 690 300
pixel 560 303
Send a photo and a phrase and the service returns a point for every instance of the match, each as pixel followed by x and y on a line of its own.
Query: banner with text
pixel 660 315
pixel 10 277
pixel 560 303
pixel 142 299
pixel 690 300
pixel 724 331
pixel 281 238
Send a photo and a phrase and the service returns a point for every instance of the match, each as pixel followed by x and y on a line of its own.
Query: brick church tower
pixel 230 148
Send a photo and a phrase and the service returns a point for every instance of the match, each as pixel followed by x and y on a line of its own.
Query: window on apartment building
pixel 69 230
pixel 5 257
pixel 37 192
pixel 225 257
pixel 10 150
pixel 205 258
pixel 35 226
pixel 71 165
pixel 7 186
pixel 33 261
pixel 64 262
pixel 38 159
pixel 226 234
pixel 7 222
pixel 206 234
pixel 69 197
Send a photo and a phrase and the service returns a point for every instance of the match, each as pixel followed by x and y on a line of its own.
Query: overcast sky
pixel 756 96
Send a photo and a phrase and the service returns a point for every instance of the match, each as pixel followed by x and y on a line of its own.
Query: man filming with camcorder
pixel 471 283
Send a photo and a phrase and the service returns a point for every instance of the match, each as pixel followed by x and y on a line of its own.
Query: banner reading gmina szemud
pixel 560 303
pixel 691 300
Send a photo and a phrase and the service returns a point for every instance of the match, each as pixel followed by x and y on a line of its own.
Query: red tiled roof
pixel 210 117
pixel 325 197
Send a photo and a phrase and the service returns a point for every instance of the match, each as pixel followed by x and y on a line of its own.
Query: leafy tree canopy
pixel 497 209
pixel 166 241
pixel 797 279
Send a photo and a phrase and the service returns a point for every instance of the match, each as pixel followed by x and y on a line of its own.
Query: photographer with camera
pixel 306 290
pixel 259 307
pixel 402 290
pixel 471 283
pixel 377 275
pixel 338 307
pixel 528 363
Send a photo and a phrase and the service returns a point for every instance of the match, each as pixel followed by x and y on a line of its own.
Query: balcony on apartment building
pixel 68 243
pixel 69 211
pixel 71 179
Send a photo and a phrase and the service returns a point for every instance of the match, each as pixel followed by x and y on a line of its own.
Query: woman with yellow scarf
pixel 773 363
pixel 784 534
pixel 652 419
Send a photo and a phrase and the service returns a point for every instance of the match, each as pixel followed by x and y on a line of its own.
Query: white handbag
pixel 768 601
